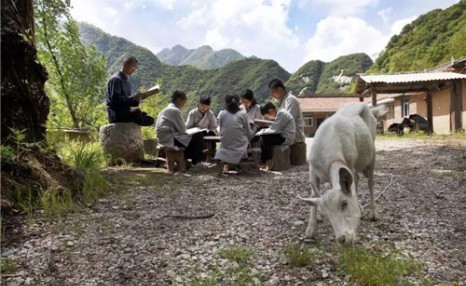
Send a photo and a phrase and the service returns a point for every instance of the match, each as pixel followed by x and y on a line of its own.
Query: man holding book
pixel 121 105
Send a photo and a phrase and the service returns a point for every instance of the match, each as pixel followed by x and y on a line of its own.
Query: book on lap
pixel 263 122
pixel 195 130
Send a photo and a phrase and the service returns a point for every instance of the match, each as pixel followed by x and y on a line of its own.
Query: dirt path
pixel 146 233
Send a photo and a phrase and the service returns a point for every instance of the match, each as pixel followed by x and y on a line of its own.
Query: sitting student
pixel 234 133
pixel 250 106
pixel 281 132
pixel 202 117
pixel 171 130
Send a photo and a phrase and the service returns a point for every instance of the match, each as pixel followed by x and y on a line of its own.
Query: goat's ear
pixel 312 201
pixel 346 179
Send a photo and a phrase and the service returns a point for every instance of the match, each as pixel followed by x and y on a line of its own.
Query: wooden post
pixel 429 112
pixel 374 98
pixel 457 104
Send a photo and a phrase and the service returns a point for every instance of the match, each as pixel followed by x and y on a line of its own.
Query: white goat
pixel 343 146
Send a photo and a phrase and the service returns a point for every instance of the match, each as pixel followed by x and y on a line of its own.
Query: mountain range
pixel 431 39
pixel 203 57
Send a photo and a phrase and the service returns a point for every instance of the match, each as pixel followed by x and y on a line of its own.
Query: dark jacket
pixel 118 97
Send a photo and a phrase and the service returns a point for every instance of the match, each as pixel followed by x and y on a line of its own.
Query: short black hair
pixel 205 99
pixel 130 60
pixel 232 103
pixel 178 95
pixel 249 95
pixel 266 108
pixel 275 84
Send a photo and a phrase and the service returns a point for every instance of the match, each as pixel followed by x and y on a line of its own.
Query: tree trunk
pixel 24 102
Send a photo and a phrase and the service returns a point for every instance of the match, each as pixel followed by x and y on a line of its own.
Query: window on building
pixel 405 106
pixel 308 121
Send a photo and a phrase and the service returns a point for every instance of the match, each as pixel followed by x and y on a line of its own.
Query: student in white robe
pixel 251 107
pixel 202 117
pixel 291 104
pixel 235 133
pixel 171 130
pixel 282 132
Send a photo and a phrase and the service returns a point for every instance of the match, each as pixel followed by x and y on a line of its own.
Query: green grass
pixel 420 135
pixel 298 255
pixel 240 255
pixel 239 274
pixel 57 204
pixel 370 268
pixel 8 265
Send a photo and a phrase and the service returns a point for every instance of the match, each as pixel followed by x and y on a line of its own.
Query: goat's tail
pixel 379 110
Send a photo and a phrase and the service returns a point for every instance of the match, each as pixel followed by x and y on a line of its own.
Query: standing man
pixel 121 105
pixel 290 103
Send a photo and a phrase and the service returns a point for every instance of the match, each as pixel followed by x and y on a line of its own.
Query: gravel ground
pixel 158 229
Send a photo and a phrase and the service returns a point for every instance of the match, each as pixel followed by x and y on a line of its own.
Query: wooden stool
pixel 298 153
pixel 173 156
pixel 280 160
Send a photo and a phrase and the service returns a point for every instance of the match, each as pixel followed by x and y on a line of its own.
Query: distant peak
pixel 205 47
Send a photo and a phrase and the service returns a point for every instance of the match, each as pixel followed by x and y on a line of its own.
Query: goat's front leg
pixel 311 224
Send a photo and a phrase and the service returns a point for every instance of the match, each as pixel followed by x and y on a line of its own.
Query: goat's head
pixel 340 206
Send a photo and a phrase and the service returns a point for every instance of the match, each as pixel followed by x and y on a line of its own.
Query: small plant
pixel 369 268
pixel 238 254
pixel 24 199
pixel 298 255
pixel 7 153
pixel 57 204
pixel 229 276
pixel 8 265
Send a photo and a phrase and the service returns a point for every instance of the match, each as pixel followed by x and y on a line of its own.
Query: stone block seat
pixel 174 155
pixel 281 159
pixel 298 153
pixel 122 142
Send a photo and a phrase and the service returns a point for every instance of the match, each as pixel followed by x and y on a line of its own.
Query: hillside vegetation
pixel 203 57
pixel 432 39
pixel 329 78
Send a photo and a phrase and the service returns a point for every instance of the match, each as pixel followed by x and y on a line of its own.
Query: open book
pixel 195 130
pixel 263 122
pixel 151 91
pixel 154 87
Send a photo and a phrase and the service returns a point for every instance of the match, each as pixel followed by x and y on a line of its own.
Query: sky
pixel 291 32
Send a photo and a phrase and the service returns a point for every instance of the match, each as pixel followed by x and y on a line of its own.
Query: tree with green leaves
pixel 77 74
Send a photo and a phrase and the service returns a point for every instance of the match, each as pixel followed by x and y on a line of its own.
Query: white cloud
pixel 398 25
pixel 344 7
pixel 338 36
pixel 386 14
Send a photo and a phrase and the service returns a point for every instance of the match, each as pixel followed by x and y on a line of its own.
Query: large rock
pixel 122 142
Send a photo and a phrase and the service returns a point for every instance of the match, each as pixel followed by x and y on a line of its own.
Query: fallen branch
pixel 386 188
pixel 188 217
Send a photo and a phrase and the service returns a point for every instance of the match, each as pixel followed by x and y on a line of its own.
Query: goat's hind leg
pixel 370 175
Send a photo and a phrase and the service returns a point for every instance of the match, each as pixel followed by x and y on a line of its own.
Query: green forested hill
pixel 250 73
pixel 203 57
pixel 432 39
pixel 329 78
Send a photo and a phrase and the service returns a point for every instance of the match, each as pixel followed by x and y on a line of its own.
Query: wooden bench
pixel 172 156
pixel 281 159
pixel 298 153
